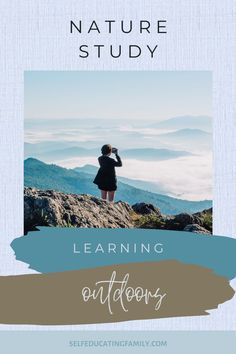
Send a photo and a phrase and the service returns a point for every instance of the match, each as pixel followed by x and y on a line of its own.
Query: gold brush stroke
pixel 56 299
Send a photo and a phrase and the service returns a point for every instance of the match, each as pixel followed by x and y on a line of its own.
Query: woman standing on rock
pixel 106 176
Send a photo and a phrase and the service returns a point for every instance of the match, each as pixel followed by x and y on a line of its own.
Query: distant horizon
pixel 123 118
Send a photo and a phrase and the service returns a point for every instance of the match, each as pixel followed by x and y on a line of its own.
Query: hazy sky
pixel 117 94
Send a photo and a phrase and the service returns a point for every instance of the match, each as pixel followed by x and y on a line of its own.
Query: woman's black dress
pixel 106 176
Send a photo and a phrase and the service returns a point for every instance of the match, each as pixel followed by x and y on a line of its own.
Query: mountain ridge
pixel 146 154
pixel 186 121
pixel 45 176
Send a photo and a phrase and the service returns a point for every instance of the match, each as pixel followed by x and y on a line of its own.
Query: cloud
pixel 186 177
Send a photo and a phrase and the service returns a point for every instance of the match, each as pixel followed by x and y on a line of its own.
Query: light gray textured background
pixel 35 36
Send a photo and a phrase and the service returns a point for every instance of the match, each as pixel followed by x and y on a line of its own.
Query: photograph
pixel 118 149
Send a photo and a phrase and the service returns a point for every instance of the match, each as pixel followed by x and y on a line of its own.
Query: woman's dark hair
pixel 106 149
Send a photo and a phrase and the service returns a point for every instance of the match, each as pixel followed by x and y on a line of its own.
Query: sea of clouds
pixel 188 177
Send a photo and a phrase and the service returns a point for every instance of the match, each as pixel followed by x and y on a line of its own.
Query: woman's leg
pixel 104 195
pixel 111 196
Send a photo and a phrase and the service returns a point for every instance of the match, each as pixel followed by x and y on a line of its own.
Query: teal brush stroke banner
pixel 54 249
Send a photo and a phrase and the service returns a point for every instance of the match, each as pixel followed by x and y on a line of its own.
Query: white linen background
pixel 35 36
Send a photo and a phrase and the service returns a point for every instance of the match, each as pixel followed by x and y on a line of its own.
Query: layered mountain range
pixel 44 176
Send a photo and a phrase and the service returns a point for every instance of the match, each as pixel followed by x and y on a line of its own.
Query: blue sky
pixel 139 95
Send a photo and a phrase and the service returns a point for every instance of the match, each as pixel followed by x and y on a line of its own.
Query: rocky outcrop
pixel 146 209
pixel 151 218
pixel 196 229
pixel 51 208
pixel 180 221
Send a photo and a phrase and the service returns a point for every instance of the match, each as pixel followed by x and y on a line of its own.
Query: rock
pixel 180 221
pixel 196 229
pixel 145 209
pixel 204 212
pixel 50 208
pixel 206 218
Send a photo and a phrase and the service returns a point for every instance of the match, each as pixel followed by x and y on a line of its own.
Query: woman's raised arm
pixel 117 162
